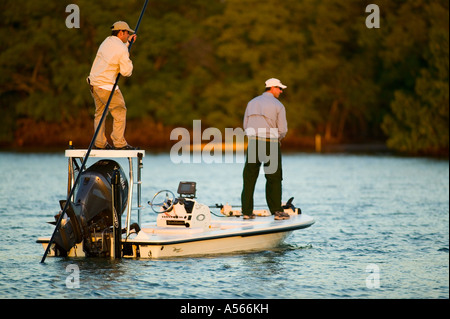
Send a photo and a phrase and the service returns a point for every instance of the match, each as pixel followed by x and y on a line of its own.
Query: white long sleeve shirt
pixel 265 117
pixel 112 58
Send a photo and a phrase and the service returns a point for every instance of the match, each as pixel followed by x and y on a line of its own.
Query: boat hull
pixel 227 245
pixel 225 236
pixel 229 236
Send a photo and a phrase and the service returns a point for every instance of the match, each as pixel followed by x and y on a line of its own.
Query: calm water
pixel 377 217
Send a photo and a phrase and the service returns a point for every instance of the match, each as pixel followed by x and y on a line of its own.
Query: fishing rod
pixel 105 111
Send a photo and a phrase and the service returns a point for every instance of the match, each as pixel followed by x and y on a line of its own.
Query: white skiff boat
pixel 91 225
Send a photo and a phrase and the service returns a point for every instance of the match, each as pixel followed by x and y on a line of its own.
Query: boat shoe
pixel 281 215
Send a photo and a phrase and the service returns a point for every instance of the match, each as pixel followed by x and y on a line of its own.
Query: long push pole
pixel 58 223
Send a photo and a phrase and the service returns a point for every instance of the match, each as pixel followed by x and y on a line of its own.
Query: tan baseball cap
pixel 121 25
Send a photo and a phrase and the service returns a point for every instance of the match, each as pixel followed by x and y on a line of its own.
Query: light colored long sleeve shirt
pixel 112 58
pixel 265 117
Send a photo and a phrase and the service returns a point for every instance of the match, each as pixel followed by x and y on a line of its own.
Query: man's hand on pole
pixel 132 38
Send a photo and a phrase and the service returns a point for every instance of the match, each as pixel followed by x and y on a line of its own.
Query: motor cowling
pixel 94 192
pixel 90 214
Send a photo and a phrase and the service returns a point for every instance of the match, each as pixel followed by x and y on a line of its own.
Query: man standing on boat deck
pixel 112 58
pixel 265 125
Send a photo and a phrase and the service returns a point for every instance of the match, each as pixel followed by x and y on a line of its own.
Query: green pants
pixel 267 153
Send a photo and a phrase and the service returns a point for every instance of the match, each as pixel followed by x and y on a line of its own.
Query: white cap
pixel 121 25
pixel 274 82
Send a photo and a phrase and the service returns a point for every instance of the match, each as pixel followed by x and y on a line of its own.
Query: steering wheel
pixel 166 204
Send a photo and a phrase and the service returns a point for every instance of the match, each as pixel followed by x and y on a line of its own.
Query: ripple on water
pixel 370 210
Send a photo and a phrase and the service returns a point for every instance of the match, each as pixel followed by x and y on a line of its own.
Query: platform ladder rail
pixel 138 184
pixel 138 187
pixel 116 249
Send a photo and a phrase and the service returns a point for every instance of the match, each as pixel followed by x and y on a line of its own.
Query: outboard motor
pixel 90 216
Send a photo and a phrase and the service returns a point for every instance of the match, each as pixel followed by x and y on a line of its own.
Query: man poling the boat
pixel 265 125
pixel 112 58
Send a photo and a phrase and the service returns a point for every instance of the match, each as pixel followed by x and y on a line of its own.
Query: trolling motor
pixel 90 217
pixel 290 208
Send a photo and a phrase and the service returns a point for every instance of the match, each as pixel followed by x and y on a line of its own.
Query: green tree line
pixel 205 59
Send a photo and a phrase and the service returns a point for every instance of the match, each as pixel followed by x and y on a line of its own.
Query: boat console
pixel 183 211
